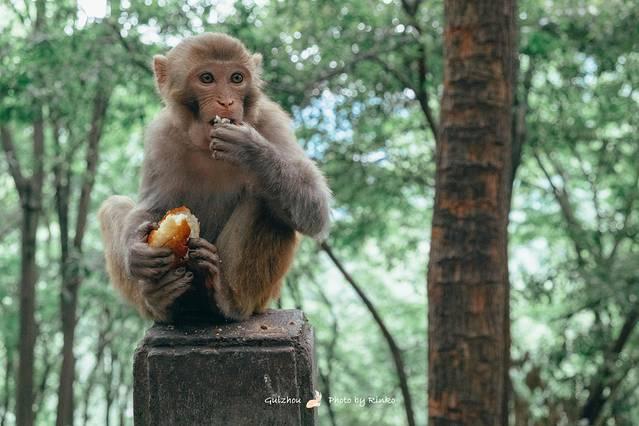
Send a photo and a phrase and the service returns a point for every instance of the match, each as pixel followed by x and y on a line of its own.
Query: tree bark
pixel 30 192
pixel 468 319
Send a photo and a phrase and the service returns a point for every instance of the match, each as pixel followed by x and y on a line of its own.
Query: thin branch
pixel 520 129
pixel 132 52
pixel 395 350
pixel 422 98
pixel 38 161
pixel 386 35
pixel 61 180
pixel 574 228
pixel 411 9
pixel 12 161
pixel 15 11
pixel 100 106
pixel 325 376
pixel 615 388
pixel 420 94
pixel 48 365
pixel 396 73
pixel 627 212
pixel 592 183
pixel 597 400
pixel 356 59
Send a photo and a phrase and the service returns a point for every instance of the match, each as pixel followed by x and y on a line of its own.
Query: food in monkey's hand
pixel 174 231
pixel 218 120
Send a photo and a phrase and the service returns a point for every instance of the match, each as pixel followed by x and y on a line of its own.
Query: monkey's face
pixel 219 88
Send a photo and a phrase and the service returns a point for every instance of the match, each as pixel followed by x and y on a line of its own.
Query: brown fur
pixel 252 200
pixel 110 215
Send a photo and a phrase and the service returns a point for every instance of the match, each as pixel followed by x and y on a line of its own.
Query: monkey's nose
pixel 226 103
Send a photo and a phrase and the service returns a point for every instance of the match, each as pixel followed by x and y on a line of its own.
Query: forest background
pixel 363 81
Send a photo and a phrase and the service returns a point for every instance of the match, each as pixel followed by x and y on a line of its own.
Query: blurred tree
pixel 30 193
pixel 468 276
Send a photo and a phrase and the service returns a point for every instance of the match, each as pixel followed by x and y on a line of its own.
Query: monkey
pixel 245 177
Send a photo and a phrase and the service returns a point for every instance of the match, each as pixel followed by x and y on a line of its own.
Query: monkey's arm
pixel 117 214
pixel 139 272
pixel 295 191
pixel 291 184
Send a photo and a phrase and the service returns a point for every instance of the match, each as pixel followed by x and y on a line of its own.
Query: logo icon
pixel 315 402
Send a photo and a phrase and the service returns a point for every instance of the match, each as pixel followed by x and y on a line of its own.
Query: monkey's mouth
pixel 222 120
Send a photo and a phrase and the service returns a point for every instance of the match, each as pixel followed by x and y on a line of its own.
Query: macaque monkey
pixel 244 177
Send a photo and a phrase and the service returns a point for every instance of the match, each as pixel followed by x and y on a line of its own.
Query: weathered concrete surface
pixel 223 374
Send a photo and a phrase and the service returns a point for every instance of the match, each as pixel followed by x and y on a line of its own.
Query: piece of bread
pixel 174 231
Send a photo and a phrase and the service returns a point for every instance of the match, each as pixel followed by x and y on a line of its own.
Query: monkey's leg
pixel 256 251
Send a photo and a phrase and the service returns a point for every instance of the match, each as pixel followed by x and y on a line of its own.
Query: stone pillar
pixel 257 372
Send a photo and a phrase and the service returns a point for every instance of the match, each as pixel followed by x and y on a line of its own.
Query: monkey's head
pixel 210 75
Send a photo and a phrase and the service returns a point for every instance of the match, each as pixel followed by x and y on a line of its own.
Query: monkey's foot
pixel 159 295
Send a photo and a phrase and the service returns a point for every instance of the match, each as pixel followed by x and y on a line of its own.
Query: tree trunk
pixel 69 303
pixel 71 278
pixel 104 339
pixel 28 272
pixel 108 387
pixel 30 193
pixel 6 398
pixel 468 318
pixel 31 199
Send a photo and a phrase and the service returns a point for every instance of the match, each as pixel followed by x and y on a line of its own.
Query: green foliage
pixel 579 288
pixel 349 74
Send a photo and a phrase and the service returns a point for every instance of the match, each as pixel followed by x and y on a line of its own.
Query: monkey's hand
pixel 239 144
pixel 159 295
pixel 144 262
pixel 203 256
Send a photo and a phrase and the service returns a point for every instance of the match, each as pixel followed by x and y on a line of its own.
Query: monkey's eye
pixel 206 78
pixel 237 77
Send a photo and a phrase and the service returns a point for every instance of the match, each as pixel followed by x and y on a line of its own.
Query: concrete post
pixel 257 372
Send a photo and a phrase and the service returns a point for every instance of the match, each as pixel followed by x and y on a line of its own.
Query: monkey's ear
pixel 160 69
pixel 257 62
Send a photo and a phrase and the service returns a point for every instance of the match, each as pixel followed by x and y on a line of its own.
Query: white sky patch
pixel 92 8
pixel 526 259
pixel 537 334
pixel 222 10
pixel 4 17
